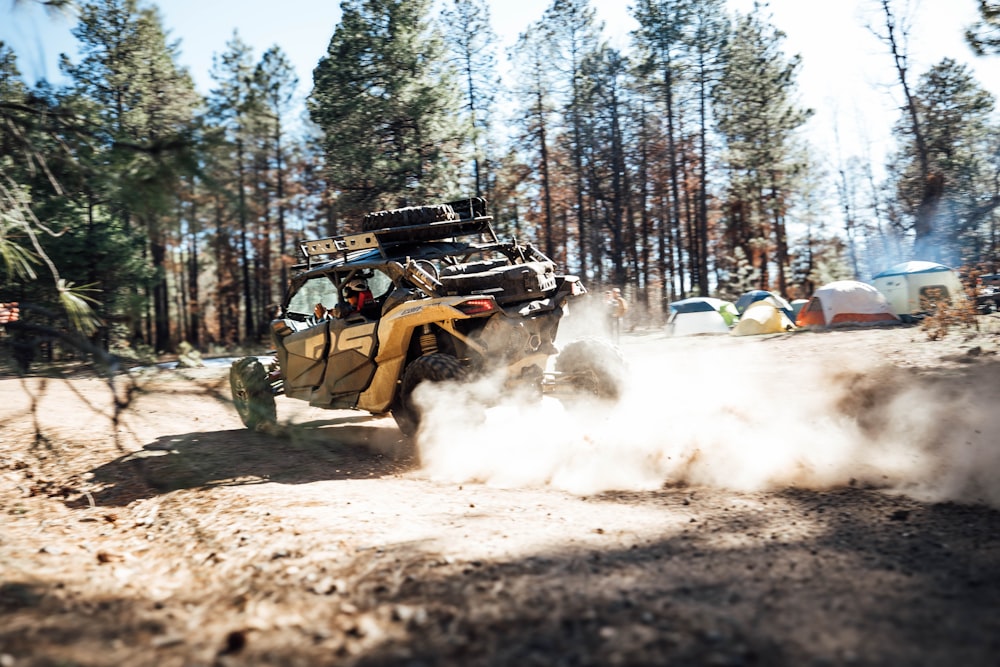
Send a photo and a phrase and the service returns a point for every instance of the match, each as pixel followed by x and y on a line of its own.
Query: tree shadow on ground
pixel 343 448
pixel 870 579
pixel 840 577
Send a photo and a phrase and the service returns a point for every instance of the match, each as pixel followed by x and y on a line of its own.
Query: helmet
pixel 358 285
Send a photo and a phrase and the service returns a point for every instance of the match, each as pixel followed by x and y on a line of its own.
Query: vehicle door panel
pixel 302 356
pixel 350 364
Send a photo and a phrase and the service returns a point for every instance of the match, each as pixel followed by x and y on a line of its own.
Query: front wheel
pixel 594 367
pixel 252 394
pixel 436 367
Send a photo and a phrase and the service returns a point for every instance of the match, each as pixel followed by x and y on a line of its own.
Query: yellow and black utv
pixel 448 301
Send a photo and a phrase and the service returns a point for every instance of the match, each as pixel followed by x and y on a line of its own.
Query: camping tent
pixel 762 317
pixel 753 296
pixel 797 305
pixel 845 302
pixel 701 315
pixel 906 285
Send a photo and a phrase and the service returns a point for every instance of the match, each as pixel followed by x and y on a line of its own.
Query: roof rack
pixel 378 239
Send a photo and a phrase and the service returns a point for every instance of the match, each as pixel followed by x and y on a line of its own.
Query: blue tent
pixel 753 296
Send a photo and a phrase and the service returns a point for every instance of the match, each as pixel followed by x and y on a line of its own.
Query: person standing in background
pixel 618 307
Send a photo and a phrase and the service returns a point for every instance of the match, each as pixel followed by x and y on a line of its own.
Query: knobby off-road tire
pixel 252 394
pixel 407 217
pixel 436 367
pixel 593 367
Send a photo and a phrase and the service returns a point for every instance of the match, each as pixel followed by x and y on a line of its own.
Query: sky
pixel 846 77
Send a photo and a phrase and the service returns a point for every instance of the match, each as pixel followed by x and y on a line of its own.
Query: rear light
pixel 477 306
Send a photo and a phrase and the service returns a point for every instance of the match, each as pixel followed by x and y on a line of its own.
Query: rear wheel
pixel 593 367
pixel 436 367
pixel 252 394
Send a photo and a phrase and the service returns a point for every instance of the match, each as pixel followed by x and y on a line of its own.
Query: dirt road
pixel 811 499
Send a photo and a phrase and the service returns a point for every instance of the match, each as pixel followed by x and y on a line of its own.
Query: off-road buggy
pixel 451 302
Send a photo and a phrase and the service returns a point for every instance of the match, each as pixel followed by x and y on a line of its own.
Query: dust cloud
pixel 727 413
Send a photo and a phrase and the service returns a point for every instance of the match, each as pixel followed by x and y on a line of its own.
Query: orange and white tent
pixel 846 302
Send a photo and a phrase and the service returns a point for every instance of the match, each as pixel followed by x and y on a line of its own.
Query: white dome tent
pixel 910 287
pixel 701 315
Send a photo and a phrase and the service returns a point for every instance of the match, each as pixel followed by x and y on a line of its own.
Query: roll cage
pixel 398 251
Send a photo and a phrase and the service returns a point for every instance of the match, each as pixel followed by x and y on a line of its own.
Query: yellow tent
pixel 762 317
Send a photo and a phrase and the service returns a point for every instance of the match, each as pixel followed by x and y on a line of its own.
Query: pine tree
pixel 958 127
pixel 573 35
pixel 472 48
pixel 659 38
pixel 17 117
pixel 49 220
pixel 757 116
pixel 385 99
pixel 605 91
pixel 145 104
pixel 236 105
pixel 896 37
pixel 706 39
pixel 278 82
pixel 984 35
pixel 533 93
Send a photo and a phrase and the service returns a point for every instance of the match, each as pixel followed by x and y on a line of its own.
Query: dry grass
pixel 946 317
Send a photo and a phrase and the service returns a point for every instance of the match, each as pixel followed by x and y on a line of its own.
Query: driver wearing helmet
pixel 358 295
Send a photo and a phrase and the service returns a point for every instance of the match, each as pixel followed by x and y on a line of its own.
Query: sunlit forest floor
pixel 804 499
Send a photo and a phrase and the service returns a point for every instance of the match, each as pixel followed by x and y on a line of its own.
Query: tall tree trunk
pixel 618 195
pixel 265 292
pixel 702 224
pixel 781 251
pixel 664 254
pixel 691 237
pixel 550 248
pixel 228 326
pixel 581 224
pixel 470 90
pixel 194 304
pixel 161 305
pixel 248 322
pixel 280 185
pixel 644 218
pixel 763 237
pixel 183 329
pixel 675 220
pixel 933 183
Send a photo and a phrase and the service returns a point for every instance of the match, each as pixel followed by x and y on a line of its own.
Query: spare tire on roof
pixel 471 207
pixel 407 217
